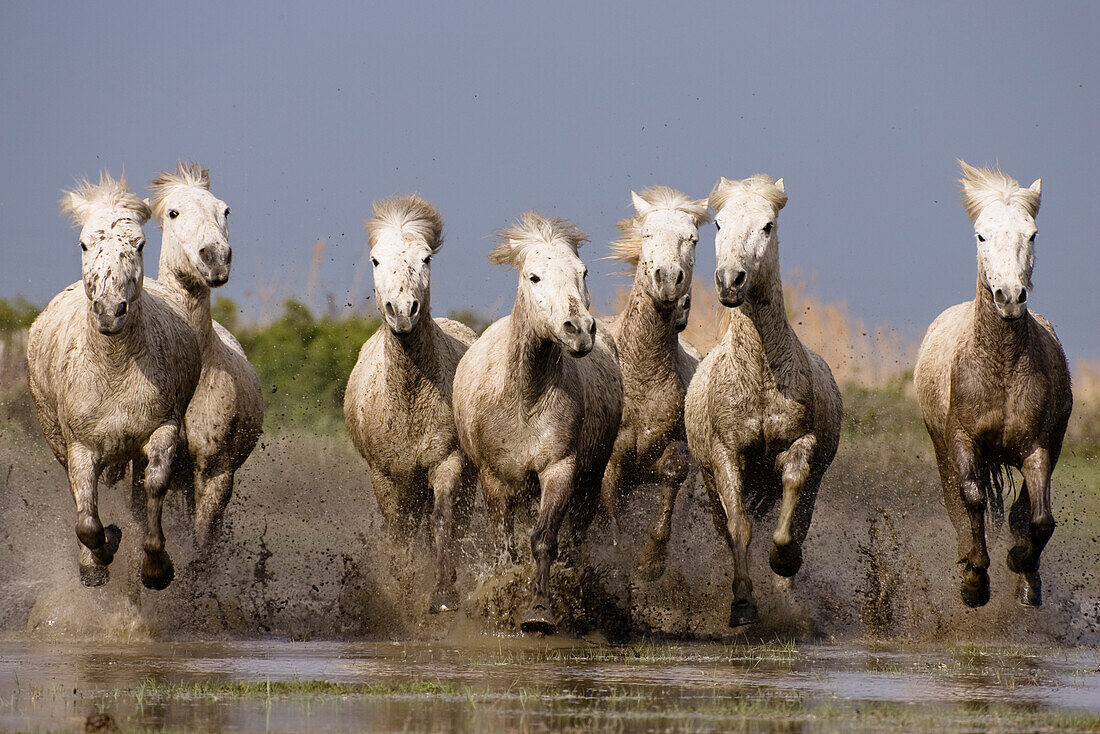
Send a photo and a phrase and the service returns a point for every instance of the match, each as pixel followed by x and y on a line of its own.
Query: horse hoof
pixel 785 560
pixel 651 562
pixel 1029 592
pixel 540 619
pixel 975 587
pixel 443 601
pixel 157 571
pixel 93 576
pixel 743 613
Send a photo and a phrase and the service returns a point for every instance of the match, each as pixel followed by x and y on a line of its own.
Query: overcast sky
pixel 305 116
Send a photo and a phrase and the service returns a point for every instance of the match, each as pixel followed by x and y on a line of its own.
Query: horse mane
pixel 628 247
pixel 110 192
pixel 407 216
pixel 980 187
pixel 760 184
pixel 187 174
pixel 533 229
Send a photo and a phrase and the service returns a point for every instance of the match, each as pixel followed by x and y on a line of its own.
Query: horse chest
pixel 1001 410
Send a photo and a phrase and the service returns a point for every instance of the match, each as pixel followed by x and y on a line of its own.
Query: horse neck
pixel 194 295
pixel 115 352
pixel 533 362
pixel 647 337
pixel 1003 341
pixel 765 307
pixel 412 358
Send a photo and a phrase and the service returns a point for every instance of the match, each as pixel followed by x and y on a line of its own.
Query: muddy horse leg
pixel 444 480
pixel 728 488
pixel 556 482
pixel 212 493
pixel 672 468
pixel 610 488
pixel 156 567
pixel 499 506
pixel 785 557
pixel 970 494
pixel 97 543
pixel 1032 526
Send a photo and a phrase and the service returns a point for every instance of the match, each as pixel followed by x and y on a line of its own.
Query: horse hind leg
pixel 212 495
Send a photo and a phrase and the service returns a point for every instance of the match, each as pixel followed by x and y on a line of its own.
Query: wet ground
pixel 510 684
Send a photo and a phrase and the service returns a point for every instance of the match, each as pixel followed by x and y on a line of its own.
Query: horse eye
pixel 172 213
pixel 717 225
pixel 981 239
pixel 427 259
pixel 374 261
pixel 141 246
pixel 226 215
pixel 585 274
pixel 768 227
pixel 83 247
pixel 534 278
pixel 1031 239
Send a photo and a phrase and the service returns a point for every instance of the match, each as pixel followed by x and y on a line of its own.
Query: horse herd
pixel 548 401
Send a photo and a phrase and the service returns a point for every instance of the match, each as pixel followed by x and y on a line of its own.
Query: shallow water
pixel 509 684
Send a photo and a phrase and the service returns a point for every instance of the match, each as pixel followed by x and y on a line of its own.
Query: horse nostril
pixel 592 328
pixel 97 307
pixel 571 328
pixel 389 308
pixel 999 295
pixel 415 308
pixel 740 279
pixel 1023 297
pixel 656 275
pixel 680 278
pixel 121 310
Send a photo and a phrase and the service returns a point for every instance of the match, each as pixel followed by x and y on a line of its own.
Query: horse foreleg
pixel 156 567
pixel 444 480
pixel 794 465
pixel 672 468
pixel 97 544
pixel 498 504
pixel 975 585
pixel 137 490
pixel 1023 557
pixel 556 482
pixel 729 487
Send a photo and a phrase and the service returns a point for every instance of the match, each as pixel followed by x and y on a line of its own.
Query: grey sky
pixel 305 116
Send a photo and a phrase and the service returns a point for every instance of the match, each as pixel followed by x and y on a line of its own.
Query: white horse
pixel 659 243
pixel 111 370
pixel 994 389
pixel 398 400
pixel 763 412
pixel 225 416
pixel 538 398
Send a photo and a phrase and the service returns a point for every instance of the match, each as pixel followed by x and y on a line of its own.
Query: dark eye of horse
pixel 427 259
pixel 717 225
pixel 226 215
pixel 1031 239
pixel 374 261
pixel 172 213
pixel 83 247
pixel 141 246
pixel 768 227
pixel 981 239
pixel 534 278
pixel 585 274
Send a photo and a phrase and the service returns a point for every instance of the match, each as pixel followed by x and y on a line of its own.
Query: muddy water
pixel 508 684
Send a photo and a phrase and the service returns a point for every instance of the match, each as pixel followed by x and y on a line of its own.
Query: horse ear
pixel 75 204
pixel 640 205
pixel 1037 186
pixel 779 185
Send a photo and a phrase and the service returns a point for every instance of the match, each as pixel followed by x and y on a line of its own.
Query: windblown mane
pixel 760 184
pixel 980 187
pixel 77 203
pixel 408 216
pixel 187 174
pixel 628 247
pixel 532 230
